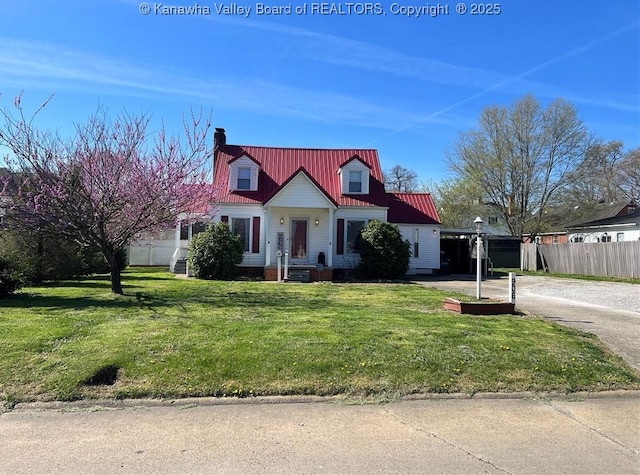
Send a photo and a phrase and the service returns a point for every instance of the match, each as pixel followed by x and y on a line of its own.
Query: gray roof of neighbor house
pixel 630 218
pixel 598 212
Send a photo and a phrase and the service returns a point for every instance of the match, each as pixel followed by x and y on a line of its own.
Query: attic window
pixel 244 178
pixel 355 181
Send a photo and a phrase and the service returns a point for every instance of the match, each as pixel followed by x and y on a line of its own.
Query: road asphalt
pixel 487 433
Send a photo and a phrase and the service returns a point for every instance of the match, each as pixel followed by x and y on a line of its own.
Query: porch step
pixel 299 275
pixel 180 267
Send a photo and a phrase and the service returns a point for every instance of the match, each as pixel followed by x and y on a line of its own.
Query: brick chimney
pixel 219 140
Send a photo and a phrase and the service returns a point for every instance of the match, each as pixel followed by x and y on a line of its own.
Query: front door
pixel 299 240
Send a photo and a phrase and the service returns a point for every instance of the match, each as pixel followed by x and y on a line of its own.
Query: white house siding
pixel 300 193
pixel 628 233
pixel 352 260
pixel 250 258
pixel 428 247
pixel 303 200
pixel 318 236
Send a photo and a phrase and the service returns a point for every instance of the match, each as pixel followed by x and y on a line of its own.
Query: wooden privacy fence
pixel 605 259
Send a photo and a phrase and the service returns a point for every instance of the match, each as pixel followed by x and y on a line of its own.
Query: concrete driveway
pixel 610 310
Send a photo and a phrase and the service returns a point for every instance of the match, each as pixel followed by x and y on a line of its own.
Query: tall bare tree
pixel 458 202
pixel 628 175
pixel 596 179
pixel 520 157
pixel 400 179
pixel 606 174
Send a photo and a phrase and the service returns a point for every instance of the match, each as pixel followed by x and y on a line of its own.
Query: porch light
pixel 317 221
pixel 281 221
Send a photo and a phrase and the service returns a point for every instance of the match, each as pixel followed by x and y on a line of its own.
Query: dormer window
pixel 355 181
pixel 244 178
pixel 243 174
pixel 355 175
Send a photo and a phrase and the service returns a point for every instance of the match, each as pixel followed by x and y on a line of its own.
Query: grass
pixel 173 337
pixel 503 271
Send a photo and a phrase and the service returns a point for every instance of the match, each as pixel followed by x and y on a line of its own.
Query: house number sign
pixel 280 241
pixel 512 287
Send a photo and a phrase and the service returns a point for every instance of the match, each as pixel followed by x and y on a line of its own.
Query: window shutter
pixel 224 219
pixel 255 241
pixel 340 237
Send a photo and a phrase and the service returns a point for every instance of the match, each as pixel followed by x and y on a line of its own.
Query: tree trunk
pixel 116 279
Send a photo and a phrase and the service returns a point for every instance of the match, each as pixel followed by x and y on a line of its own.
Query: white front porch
pixel 304 235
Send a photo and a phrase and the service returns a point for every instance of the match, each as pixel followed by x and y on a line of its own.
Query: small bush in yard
pixel 383 252
pixel 10 280
pixel 215 253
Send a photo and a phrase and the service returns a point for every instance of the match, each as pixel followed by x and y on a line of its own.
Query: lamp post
pixel 478 222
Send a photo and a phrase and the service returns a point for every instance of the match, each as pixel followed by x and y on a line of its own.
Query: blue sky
pixel 407 86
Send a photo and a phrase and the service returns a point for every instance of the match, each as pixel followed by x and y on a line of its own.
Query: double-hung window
pixel 241 227
pixel 355 181
pixel 353 235
pixel 244 178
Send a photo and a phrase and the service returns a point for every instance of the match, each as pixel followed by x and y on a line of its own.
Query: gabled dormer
pixel 243 174
pixel 354 176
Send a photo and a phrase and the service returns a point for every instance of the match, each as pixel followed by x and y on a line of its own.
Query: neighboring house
pixel 311 205
pixel 559 237
pixel 584 222
pixel 625 226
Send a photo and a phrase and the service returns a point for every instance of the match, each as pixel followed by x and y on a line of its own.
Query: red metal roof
pixel 412 208
pixel 277 165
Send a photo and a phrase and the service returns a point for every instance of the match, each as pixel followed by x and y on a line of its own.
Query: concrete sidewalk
pixel 592 434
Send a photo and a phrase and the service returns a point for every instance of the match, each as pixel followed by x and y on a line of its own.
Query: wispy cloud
pixel 342 51
pixel 557 59
pixel 55 68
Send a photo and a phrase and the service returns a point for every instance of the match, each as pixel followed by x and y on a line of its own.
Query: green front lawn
pixel 504 271
pixel 173 337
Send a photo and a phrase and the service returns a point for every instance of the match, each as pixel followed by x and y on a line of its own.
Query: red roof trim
pixel 291 178
pixel 245 154
pixel 356 157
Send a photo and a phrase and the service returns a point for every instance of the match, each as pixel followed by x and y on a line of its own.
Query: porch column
pixel 330 240
pixel 267 238
pixel 178 227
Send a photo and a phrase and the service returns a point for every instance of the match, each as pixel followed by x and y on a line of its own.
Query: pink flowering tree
pixel 111 182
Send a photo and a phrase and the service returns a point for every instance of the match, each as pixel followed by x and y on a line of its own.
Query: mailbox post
pixel 512 287
pixel 279 256
pixel 478 221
